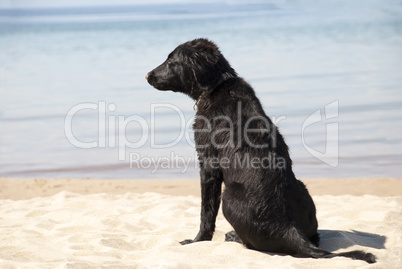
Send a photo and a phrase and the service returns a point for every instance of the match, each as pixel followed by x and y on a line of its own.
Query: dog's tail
pixel 305 248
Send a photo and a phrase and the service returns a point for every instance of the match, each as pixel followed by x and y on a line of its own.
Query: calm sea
pixel 74 101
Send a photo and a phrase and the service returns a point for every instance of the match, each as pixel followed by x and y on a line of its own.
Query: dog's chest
pixel 213 131
pixel 202 128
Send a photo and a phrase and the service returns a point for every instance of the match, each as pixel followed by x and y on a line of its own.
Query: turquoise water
pixel 299 59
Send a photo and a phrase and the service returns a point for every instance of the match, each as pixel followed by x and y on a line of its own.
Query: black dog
pixel 269 209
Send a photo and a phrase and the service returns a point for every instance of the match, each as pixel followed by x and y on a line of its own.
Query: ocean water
pixel 74 101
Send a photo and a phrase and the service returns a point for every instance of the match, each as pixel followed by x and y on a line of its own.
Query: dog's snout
pixel 148 75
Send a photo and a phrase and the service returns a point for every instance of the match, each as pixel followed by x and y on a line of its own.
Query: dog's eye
pixel 169 62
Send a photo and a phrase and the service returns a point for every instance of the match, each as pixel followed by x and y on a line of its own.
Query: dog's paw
pixel 370 258
pixel 186 242
pixel 232 237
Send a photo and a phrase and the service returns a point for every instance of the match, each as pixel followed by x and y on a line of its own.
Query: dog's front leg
pixel 211 187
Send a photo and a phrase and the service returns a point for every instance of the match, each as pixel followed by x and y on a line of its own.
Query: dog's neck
pixel 225 76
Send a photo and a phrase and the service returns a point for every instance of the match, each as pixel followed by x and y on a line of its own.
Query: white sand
pixel 71 230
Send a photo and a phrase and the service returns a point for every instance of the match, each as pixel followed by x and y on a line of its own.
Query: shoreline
pixel 27 188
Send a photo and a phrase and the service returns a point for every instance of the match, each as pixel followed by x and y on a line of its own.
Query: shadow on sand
pixel 333 240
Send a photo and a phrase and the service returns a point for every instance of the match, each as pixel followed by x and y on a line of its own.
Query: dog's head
pixel 192 68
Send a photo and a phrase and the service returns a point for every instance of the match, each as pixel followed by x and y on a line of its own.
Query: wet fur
pixel 269 209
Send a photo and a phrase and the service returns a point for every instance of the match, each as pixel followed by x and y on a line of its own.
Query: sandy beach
pixel 87 223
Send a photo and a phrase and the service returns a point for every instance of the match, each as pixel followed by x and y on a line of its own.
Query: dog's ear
pixel 205 68
pixel 206 64
pixel 205 50
pixel 208 56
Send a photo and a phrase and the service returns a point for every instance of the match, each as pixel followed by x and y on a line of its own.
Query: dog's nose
pixel 147 76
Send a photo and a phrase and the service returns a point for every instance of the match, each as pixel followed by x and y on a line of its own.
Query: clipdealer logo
pixel 111 133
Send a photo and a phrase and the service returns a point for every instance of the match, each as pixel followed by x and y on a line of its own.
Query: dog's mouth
pixel 159 86
pixel 151 79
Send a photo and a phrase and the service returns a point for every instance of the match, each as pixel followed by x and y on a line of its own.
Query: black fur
pixel 269 209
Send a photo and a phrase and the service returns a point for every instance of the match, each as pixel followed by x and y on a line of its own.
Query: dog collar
pixel 225 76
pixel 195 106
